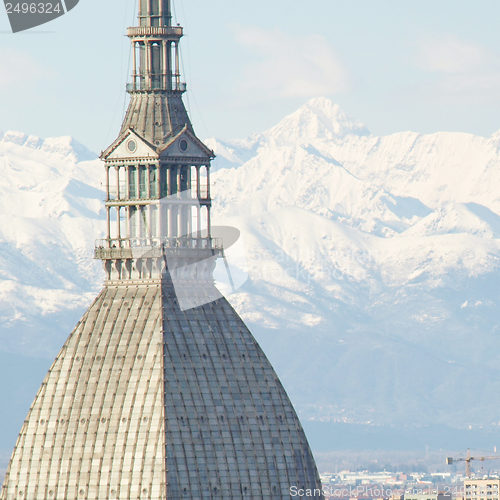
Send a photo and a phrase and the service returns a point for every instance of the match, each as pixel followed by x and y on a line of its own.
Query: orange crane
pixel 468 459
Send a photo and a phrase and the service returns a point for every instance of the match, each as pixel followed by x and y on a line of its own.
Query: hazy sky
pixel 395 65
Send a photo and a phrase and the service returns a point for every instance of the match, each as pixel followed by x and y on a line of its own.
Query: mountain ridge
pixel 363 261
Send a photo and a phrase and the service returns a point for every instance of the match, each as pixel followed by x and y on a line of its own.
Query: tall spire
pixel 155 43
pixel 156 111
pixel 157 170
pixel 155 13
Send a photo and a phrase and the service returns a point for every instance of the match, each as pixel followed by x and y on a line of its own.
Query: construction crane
pixel 468 459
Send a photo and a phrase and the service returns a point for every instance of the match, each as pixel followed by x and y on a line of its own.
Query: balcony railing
pixel 184 198
pixel 142 85
pixel 183 242
pixel 174 32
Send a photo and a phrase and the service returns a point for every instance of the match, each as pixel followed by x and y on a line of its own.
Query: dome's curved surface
pixel 150 402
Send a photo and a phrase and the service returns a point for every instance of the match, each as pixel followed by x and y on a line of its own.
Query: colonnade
pixel 157 201
pixel 155 59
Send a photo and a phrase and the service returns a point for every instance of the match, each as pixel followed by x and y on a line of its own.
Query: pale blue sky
pixel 393 64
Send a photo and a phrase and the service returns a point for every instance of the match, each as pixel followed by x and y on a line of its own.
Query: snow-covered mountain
pixel 373 263
pixel 379 256
pixel 50 201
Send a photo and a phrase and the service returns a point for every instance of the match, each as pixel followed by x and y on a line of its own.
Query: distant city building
pixel 161 392
pixel 428 496
pixel 348 477
pixel 482 489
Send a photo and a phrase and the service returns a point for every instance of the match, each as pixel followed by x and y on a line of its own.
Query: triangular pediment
pixel 186 145
pixel 129 145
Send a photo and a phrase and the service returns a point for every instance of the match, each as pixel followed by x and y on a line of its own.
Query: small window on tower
pixel 143 186
pixel 164 181
pixel 132 182
pixel 153 179
pixel 184 179
pixel 132 146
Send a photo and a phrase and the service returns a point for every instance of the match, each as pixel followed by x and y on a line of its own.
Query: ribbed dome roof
pixel 146 401
pixel 156 116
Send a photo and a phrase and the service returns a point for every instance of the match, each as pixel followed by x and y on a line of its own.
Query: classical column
pixel 180 221
pixel 179 172
pixel 148 220
pixel 129 223
pixel 165 64
pixel 147 48
pixel 134 64
pixel 208 182
pixel 163 221
pixel 170 173
pixel 158 180
pixel 169 221
pixel 118 222
pixel 160 206
pixel 108 222
pixel 127 182
pixel 172 230
pixel 148 181
pixel 198 184
pixel 177 67
pixel 107 182
pixel 140 222
pixel 189 221
pixel 117 182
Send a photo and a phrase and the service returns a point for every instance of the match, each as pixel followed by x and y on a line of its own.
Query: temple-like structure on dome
pixel 161 392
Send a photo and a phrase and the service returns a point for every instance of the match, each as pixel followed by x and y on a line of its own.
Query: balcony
pixel 129 248
pixel 164 32
pixel 143 86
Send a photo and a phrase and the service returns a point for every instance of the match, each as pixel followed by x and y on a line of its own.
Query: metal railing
pixel 142 85
pixel 175 199
pixel 161 31
pixel 183 242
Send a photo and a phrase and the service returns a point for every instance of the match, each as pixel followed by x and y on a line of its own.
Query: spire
pixel 155 44
pixel 156 111
pixel 155 13
pixel 157 171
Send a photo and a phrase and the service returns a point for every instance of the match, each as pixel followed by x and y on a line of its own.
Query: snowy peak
pixel 67 146
pixel 20 139
pixel 63 146
pixel 319 118
pixel 369 255
pixel 232 154
pixel 52 210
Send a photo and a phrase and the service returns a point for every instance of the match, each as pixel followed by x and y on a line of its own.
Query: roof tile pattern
pixel 146 401
pixel 156 116
pixel 95 429
pixel 231 430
